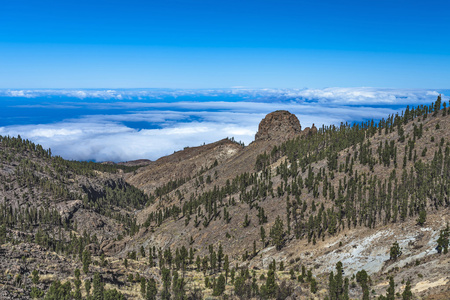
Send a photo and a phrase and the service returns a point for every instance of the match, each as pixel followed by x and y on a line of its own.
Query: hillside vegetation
pixel 356 211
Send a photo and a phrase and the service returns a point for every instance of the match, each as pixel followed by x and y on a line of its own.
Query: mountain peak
pixel 279 124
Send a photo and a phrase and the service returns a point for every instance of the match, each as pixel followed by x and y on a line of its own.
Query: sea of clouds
pixel 107 125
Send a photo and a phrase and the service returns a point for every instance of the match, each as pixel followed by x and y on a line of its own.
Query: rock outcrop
pixel 310 131
pixel 279 124
pixel 68 208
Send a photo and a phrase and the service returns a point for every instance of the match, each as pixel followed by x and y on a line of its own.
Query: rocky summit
pixel 279 124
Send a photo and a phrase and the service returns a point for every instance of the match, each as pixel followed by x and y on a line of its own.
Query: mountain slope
pixel 332 184
pixel 274 218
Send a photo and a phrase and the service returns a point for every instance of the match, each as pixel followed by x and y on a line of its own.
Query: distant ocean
pixel 122 125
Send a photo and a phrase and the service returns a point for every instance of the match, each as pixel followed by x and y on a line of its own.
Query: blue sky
pixel 121 80
pixel 215 44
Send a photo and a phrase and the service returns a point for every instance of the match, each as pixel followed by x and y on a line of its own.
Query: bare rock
pixel 133 163
pixel 112 248
pixel 310 131
pixel 93 248
pixel 68 208
pixel 279 124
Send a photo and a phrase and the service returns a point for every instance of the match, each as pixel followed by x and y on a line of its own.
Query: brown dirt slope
pixel 182 164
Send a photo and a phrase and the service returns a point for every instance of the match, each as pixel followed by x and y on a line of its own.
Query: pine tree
pixel 246 221
pixel 437 105
pixel 58 291
pixel 337 289
pixel 271 285
pixel 178 286
pixel 263 236
pixel 219 257
pixel 443 240
pixel 35 278
pixel 152 290
pixel 2 234
pixel 198 263
pixel 332 289
pixel 339 281
pixel 362 278
pixel 77 283
pixel 166 278
pixel 87 286
pixel 407 294
pixel 422 217
pixel 395 251
pixel 226 267
pixel 86 261
pixel 98 289
pixel 277 233
pixel 219 288
pixel 143 287
pixel 313 286
pixel 390 295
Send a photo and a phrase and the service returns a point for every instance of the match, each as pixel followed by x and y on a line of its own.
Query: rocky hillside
pixel 344 184
pixel 350 212
pixel 175 169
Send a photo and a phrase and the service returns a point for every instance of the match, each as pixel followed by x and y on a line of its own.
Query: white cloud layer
pixel 360 95
pixel 188 123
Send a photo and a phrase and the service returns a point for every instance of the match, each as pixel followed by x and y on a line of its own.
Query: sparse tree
pixel 98 289
pixel 219 288
pixel 87 286
pixel 422 217
pixel 277 233
pixel 443 240
pixel 152 290
pixel 263 236
pixel 86 261
pixel 35 276
pixel 390 295
pixel 395 251
pixel 407 294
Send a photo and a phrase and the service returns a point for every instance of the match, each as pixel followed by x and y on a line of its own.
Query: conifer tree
pixel 86 261
pixel 263 236
pixel 219 288
pixel 35 276
pixel 77 283
pixel 407 294
pixel 152 290
pixel 390 295
pixel 270 288
pixel 443 240
pixel 395 251
pixel 143 287
pixel 98 289
pixel 277 233
pixel 166 279
pixel 226 267
pixel 87 286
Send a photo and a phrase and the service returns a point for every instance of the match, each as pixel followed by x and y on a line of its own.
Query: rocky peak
pixel 279 124
pixel 310 131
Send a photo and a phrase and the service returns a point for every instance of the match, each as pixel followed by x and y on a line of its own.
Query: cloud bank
pixel 124 125
pixel 360 95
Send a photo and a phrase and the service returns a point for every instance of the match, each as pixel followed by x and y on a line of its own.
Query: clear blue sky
pixel 206 43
